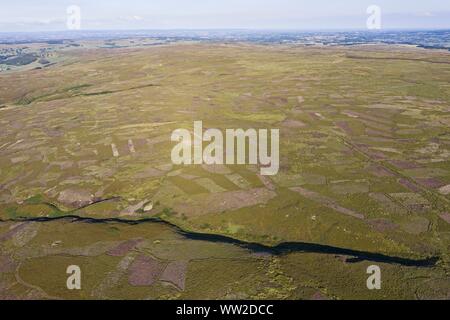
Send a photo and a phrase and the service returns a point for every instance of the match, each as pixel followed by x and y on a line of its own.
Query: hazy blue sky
pixel 39 15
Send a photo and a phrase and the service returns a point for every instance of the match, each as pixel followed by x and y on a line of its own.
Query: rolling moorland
pixel 86 176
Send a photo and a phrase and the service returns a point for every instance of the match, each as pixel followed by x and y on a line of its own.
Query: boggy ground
pixel 151 260
pixel 364 154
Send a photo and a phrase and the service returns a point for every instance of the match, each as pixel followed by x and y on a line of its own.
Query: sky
pixel 51 15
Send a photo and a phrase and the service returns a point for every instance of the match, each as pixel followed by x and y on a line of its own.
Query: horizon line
pixel 233 29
